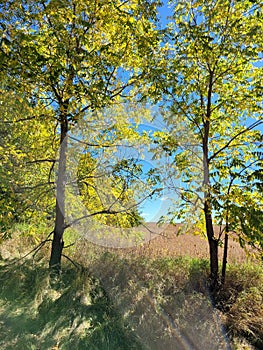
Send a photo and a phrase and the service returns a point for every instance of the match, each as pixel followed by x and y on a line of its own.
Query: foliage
pixel 111 191
pixel 214 73
pixel 27 145
pixel 77 52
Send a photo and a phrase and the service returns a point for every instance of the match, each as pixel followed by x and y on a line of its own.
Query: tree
pixel 73 57
pixel 212 97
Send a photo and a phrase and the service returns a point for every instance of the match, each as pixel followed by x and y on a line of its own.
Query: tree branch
pixel 251 127
pixel 109 211
pixel 35 250
pixel 41 161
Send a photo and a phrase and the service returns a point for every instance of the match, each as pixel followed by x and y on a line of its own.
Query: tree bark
pixel 212 241
pixel 57 242
pixel 224 263
pixel 213 248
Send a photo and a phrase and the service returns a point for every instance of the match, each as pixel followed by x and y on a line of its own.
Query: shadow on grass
pixel 73 313
pixel 165 300
pixel 121 303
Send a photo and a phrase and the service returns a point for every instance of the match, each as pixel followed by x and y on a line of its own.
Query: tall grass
pixel 127 301
pixel 241 302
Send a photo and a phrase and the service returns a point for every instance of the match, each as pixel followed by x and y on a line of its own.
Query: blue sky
pixel 164 11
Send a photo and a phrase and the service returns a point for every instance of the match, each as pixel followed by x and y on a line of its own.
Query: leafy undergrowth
pixel 128 302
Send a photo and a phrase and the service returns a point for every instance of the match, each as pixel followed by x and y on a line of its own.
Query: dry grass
pixel 241 302
pixel 171 241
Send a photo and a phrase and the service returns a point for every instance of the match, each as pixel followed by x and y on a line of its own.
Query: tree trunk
pixel 224 263
pixel 213 248
pixel 57 242
pixel 213 242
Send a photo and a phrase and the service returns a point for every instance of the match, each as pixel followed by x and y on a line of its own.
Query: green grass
pixel 128 302
pixel 73 313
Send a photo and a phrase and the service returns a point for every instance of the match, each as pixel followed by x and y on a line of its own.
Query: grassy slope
pixel 130 302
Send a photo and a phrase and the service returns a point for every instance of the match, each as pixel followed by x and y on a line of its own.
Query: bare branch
pixel 77 265
pixel 42 161
pixel 17 120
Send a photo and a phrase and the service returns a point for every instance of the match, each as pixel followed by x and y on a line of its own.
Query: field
pixel 166 241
